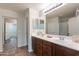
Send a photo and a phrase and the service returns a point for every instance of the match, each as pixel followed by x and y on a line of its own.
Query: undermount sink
pixel 59 38
pixel 52 36
pixel 49 36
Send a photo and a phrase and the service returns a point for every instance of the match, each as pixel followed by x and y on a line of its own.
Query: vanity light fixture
pixel 53 7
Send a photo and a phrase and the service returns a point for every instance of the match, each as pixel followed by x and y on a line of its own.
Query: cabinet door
pixel 63 51
pixel 47 48
pixel 53 49
pixel 39 50
pixel 39 47
pixel 59 50
pixel 34 44
pixel 71 52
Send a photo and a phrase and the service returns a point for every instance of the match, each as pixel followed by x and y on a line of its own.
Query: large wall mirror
pixel 63 21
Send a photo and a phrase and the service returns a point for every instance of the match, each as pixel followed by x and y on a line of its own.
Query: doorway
pixel 10 35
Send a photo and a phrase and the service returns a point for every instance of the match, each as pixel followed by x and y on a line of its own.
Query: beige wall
pixel 52 25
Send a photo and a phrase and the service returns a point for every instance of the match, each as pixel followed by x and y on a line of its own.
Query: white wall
pixel 74 25
pixel 22 28
pixel 8 13
pixel 52 25
pixel 32 15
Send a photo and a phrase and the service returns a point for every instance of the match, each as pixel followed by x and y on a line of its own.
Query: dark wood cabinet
pixel 59 50
pixel 41 47
pixel 64 51
pixel 70 52
pixel 45 48
pixel 37 46
pixel 34 44
pixel 53 49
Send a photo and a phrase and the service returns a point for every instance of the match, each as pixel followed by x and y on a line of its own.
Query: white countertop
pixel 67 42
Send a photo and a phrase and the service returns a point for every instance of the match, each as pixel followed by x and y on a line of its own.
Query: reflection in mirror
pixel 35 23
pixel 66 24
pixel 41 24
pixel 38 25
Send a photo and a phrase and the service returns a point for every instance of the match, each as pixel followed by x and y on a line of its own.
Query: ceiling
pixel 21 6
pixel 68 8
pixel 63 10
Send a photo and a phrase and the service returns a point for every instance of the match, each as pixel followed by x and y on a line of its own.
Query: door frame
pixel 5 32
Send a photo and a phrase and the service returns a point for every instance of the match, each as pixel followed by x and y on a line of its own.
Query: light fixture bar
pixel 57 5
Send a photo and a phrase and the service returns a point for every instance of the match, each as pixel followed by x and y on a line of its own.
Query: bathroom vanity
pixel 54 46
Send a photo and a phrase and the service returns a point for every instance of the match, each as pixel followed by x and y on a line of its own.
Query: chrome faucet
pixel 61 37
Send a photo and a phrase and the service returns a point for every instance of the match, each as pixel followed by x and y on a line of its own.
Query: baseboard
pixel 22 45
pixel 30 50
